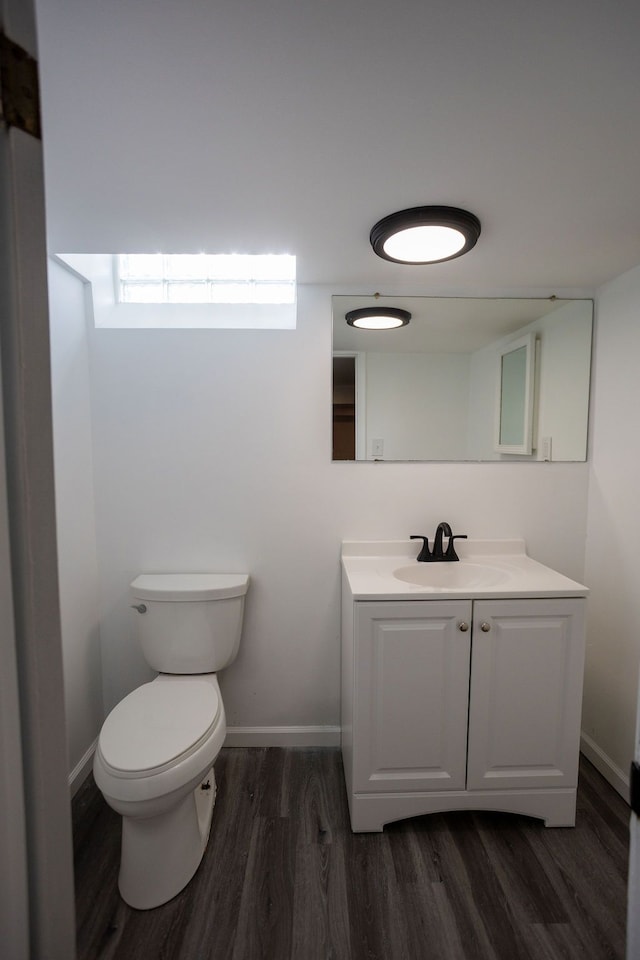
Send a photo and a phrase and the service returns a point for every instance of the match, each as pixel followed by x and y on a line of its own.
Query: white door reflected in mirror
pixel 515 392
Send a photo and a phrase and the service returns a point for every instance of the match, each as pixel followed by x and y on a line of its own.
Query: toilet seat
pixel 159 737
pixel 157 724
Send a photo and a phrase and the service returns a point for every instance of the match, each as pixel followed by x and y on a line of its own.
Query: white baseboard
pixel 82 769
pixel 605 765
pixel 330 737
pixel 282 737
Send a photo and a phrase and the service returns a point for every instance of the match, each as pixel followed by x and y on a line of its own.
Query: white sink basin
pixel 459 575
pixel 388 570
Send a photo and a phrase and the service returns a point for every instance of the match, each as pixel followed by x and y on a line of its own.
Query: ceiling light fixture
pixel 425 235
pixel 378 318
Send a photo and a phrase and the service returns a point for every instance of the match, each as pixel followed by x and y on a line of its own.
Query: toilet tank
pixel 189 622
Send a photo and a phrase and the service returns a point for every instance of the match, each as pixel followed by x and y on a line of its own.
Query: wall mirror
pixel 452 385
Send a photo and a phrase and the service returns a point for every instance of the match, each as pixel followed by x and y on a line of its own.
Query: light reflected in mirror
pixel 433 390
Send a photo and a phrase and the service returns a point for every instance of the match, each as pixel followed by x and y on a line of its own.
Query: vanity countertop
pixel 488 569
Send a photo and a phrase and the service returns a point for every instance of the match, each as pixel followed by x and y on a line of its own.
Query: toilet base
pixel 161 854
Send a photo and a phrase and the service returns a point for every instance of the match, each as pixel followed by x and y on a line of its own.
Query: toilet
pixel 156 750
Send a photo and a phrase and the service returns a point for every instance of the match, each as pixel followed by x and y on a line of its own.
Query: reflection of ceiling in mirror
pixel 438 324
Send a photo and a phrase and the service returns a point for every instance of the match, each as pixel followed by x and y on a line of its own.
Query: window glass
pixel 206 278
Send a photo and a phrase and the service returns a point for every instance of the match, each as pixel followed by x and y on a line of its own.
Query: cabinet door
pixel 411 695
pixel 526 693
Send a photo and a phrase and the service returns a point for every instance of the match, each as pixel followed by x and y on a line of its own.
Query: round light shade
pixel 378 318
pixel 425 235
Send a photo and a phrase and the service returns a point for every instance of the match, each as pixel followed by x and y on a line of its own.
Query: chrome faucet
pixel 439 554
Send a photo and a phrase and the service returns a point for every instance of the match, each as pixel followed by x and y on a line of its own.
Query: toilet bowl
pixel 156 750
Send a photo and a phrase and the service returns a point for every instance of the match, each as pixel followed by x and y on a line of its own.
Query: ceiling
pixel 439 325
pixel 294 125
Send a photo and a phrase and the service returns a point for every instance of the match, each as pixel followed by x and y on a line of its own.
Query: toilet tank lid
pixel 189 586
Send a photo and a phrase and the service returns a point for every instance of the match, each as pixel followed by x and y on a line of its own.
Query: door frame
pixel 33 748
pixel 360 369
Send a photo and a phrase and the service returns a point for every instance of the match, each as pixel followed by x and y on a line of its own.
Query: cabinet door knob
pixel 485 627
pixel 463 625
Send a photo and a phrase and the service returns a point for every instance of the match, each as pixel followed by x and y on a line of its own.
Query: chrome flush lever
pixel 140 607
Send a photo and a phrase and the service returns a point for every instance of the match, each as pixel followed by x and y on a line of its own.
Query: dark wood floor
pixel 284 877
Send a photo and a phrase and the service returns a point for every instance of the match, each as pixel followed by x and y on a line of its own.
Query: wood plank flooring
pixel 284 878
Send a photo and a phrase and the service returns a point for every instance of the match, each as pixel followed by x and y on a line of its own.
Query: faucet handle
pixel 451 550
pixel 425 553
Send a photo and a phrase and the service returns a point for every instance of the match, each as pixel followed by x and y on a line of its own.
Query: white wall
pixel 483 377
pixel 562 386
pixel 417 404
pixel 563 393
pixel 75 514
pixel 612 565
pixel 213 452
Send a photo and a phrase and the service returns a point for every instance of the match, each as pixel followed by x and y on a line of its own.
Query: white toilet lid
pixel 158 723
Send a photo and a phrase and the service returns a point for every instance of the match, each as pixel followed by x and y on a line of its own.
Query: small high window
pixel 183 292
pixel 206 278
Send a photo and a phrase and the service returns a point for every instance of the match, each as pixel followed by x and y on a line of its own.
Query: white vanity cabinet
pixel 525 695
pixel 410 705
pixel 461 704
